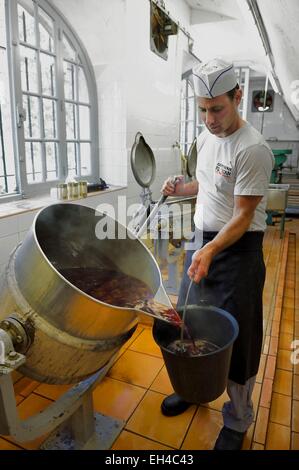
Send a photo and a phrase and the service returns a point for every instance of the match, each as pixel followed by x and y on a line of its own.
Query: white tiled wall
pixel 13 229
pixel 12 232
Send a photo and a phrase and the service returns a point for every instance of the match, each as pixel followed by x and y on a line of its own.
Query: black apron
pixel 235 283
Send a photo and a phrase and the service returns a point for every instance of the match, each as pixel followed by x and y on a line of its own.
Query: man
pixel 234 166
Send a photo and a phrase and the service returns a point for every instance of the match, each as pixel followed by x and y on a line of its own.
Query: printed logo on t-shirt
pixel 223 170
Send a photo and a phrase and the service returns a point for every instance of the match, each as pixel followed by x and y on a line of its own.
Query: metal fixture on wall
pixel 169 28
pixel 161 27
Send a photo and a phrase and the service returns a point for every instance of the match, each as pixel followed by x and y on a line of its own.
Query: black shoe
pixel 174 405
pixel 229 439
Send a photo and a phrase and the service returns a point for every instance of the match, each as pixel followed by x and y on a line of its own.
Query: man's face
pixel 220 114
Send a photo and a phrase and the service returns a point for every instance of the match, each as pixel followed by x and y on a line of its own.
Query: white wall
pixel 153 92
pixel 178 9
pixel 279 127
pixel 137 90
pixel 100 26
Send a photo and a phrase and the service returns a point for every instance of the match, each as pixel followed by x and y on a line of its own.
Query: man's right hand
pixel 173 186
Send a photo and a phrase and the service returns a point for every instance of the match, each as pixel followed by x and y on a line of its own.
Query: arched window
pixel 190 123
pixel 54 97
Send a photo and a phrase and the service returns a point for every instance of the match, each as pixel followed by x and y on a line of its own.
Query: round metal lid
pixel 192 159
pixel 143 162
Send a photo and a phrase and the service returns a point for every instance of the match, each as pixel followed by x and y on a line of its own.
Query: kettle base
pixel 106 431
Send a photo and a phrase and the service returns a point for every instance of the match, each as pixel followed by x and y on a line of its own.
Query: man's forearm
pixel 232 231
pixel 187 189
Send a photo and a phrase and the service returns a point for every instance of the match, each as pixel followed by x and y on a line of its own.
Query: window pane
pixel 190 132
pixel 84 118
pixel 3 183
pixel 190 90
pixel 182 133
pixel 183 109
pixel 83 90
pixel 188 117
pixel 28 69
pixel 46 31
pixel 32 123
pixel 10 183
pixel 33 162
pixel 68 50
pixel 7 168
pixel 27 23
pixel 69 81
pixel 190 109
pixel 70 111
pixel 52 160
pixel 85 159
pixel 49 110
pixel 7 162
pixel 47 63
pixel 2 25
pixel 72 159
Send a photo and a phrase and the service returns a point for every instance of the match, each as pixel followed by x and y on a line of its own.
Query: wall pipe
pixel 256 14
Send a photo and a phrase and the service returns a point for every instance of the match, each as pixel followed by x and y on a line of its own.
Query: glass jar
pixel 62 191
pixel 73 190
pixel 82 188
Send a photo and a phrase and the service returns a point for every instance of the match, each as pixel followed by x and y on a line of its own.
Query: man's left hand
pixel 201 261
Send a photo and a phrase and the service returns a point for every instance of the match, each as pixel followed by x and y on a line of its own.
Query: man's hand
pixel 201 261
pixel 175 186
pixel 172 185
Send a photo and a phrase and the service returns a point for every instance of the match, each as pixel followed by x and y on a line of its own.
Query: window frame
pixel 61 26
pixel 243 74
pixel 197 123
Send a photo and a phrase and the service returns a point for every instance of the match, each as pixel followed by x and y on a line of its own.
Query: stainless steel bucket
pixel 74 334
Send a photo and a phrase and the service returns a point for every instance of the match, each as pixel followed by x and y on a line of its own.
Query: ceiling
pixel 226 29
pixel 222 7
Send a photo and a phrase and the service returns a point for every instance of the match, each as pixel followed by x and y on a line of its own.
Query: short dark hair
pixel 231 93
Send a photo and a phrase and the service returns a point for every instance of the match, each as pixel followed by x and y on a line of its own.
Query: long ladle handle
pixel 151 216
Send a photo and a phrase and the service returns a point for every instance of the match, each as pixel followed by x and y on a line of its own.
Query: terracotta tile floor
pixel 137 383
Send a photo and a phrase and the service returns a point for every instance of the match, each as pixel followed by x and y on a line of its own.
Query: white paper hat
pixel 214 78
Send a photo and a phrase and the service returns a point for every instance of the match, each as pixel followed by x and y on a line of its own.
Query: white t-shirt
pixel 237 165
